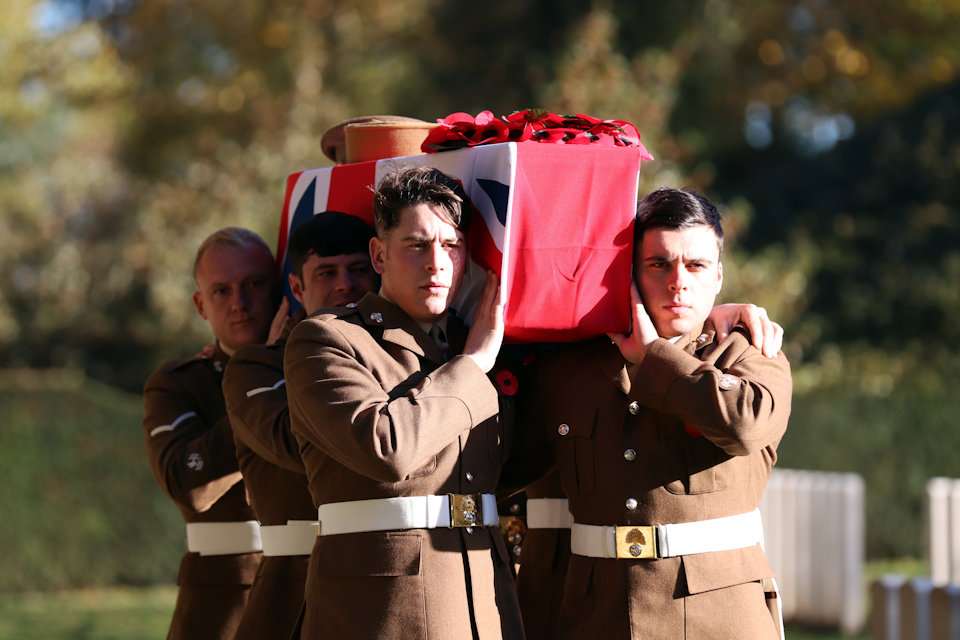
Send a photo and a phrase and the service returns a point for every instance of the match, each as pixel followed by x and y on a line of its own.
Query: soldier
pixel 190 442
pixel 330 264
pixel 664 441
pixel 401 438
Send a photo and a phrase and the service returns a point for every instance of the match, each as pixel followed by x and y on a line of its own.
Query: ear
pixel 296 287
pixel 378 254
pixel 719 276
pixel 198 303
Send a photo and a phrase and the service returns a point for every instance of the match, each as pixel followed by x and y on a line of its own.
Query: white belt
pixel 223 538
pixel 667 540
pixel 409 512
pixel 295 538
pixel 548 513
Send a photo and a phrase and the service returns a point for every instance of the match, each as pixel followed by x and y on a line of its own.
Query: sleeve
pixel 256 396
pixel 339 405
pixel 193 461
pixel 734 396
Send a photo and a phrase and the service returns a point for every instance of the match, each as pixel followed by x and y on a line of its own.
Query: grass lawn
pixel 116 613
pixel 131 613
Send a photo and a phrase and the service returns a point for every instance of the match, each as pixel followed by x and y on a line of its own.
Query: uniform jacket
pixel 269 456
pixel 380 413
pixel 689 434
pixel 192 456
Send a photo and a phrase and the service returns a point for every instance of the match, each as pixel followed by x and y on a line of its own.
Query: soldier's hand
pixel 765 335
pixel 642 331
pixel 486 334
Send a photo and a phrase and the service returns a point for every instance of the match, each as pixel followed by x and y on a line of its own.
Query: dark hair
pixel 408 187
pixel 676 209
pixel 329 233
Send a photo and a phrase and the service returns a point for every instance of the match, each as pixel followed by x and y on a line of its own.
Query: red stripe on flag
pixel 350 189
pixel 285 219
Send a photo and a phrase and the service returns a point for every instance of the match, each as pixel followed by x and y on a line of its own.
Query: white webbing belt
pixel 223 538
pixel 383 514
pixel 548 513
pixel 295 538
pixel 683 539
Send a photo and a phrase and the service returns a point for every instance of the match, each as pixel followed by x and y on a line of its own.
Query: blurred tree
pixel 133 128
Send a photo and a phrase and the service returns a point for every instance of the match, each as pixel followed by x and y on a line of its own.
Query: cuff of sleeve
pixel 661 367
pixel 462 378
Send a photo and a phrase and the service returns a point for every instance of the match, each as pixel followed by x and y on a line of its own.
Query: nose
pixel 345 281
pixel 677 280
pixel 437 259
pixel 241 299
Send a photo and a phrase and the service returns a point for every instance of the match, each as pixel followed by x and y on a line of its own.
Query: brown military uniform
pixel 381 413
pixel 192 455
pixel 543 568
pixel 688 435
pixel 276 482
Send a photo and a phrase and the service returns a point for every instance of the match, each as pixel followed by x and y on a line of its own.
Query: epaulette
pixel 330 313
pixel 185 363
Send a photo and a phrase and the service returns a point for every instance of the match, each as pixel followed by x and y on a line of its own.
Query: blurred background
pixel 130 129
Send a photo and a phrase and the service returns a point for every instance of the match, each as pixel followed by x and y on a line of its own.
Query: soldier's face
pixel 236 294
pixel 421 261
pixel 679 275
pixel 333 281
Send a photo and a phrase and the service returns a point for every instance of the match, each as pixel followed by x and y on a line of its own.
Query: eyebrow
pixel 663 258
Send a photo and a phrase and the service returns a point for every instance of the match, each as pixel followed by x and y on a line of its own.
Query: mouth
pixel 435 287
pixel 678 309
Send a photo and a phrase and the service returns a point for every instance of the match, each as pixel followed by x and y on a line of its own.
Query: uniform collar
pixel 378 313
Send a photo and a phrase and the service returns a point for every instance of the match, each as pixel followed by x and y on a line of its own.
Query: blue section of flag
pixel 302 213
pixel 499 195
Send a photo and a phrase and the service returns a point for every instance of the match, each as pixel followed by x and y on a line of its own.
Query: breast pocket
pixel 571 435
pixel 707 468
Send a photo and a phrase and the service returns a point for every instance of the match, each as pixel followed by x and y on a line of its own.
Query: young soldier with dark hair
pixel 664 440
pixel 331 268
pixel 401 438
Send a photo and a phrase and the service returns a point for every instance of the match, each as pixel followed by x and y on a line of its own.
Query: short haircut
pixel 676 209
pixel 327 234
pixel 411 186
pixel 229 238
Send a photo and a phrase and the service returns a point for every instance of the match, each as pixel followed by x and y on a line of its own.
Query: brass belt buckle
pixel 638 543
pixel 465 510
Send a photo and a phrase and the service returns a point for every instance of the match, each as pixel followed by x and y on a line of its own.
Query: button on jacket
pixel 193 458
pixel 688 435
pixel 379 413
pixel 276 482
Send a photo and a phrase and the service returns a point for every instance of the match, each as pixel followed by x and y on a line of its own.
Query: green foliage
pixel 896 436
pixel 89 614
pixel 79 504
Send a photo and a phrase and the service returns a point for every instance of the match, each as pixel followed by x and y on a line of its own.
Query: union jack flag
pixel 555 222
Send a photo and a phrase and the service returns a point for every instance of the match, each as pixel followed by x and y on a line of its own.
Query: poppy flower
pixel 507 383
pixel 460 129
pixel 692 430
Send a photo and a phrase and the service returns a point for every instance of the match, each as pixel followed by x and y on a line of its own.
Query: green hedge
pixel 79 505
pixel 897 440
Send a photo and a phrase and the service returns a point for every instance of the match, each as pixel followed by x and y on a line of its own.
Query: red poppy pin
pixel 692 430
pixel 507 383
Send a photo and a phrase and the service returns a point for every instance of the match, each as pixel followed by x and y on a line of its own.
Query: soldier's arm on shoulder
pixel 338 404
pixel 193 461
pixel 255 392
pixel 734 396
